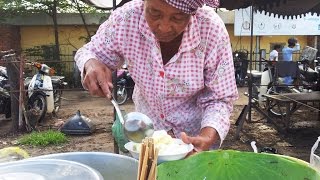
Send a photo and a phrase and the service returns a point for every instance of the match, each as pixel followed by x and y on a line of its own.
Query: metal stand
pixel 114 82
pixel 246 111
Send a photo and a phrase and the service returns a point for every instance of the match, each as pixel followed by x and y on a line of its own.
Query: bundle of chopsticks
pixel 148 158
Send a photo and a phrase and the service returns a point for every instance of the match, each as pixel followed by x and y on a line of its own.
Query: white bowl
pixel 161 158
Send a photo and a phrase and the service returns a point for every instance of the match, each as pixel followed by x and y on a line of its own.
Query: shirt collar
pixel 144 28
pixel 191 37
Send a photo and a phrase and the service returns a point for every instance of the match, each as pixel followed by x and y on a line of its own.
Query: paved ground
pixel 296 143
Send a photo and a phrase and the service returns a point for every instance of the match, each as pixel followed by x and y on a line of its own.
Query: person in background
pixel 274 54
pixel 179 56
pixel 287 55
pixel 292 47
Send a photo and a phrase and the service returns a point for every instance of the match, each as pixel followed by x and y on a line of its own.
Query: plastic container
pixel 161 158
pixel 314 158
pixel 47 169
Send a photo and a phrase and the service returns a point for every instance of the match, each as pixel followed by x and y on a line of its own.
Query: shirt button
pixel 162 116
pixel 161 73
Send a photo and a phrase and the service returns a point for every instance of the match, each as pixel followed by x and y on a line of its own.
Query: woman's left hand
pixel 207 137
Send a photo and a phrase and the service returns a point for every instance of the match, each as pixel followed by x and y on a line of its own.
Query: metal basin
pixel 111 166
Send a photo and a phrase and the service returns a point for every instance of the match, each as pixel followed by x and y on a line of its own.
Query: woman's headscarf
pixel 191 6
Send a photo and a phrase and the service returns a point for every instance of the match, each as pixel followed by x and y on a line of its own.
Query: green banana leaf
pixel 236 165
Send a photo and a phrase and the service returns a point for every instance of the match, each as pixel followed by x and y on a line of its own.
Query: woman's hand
pixel 207 137
pixel 97 78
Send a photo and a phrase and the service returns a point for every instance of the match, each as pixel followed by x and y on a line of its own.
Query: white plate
pixel 161 158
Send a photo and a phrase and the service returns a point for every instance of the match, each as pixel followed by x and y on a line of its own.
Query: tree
pixel 11 8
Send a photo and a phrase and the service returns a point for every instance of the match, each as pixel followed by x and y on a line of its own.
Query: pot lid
pixel 78 125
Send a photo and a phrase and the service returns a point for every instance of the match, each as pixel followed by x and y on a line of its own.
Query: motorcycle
pixel 44 92
pixel 310 74
pixel 240 60
pixel 125 86
pixel 266 82
pixel 4 93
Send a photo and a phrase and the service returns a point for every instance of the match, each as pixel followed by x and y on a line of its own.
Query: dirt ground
pixel 296 143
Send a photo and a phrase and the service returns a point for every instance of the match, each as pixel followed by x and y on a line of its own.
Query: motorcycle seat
pixel 56 79
pixel 255 73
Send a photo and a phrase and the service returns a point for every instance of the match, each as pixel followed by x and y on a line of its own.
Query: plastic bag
pixel 315 159
pixel 12 154
pixel 118 134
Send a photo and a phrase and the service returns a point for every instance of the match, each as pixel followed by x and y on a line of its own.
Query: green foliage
pixel 46 54
pixel 45 138
pixel 12 8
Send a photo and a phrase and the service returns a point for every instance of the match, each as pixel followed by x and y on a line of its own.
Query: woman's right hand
pixel 97 78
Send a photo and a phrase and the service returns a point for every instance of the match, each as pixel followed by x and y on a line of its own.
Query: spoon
pixel 136 125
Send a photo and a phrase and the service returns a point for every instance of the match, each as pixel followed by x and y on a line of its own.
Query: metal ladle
pixel 136 125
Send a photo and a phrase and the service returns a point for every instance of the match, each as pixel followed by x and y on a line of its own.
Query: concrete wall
pixel 243 42
pixel 70 37
pixel 36 29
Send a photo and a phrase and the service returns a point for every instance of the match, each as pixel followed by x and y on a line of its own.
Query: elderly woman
pixel 179 56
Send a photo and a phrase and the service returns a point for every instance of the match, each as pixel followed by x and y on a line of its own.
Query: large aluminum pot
pixel 110 166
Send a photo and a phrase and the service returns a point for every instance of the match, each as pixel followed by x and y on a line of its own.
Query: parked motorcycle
pixel 44 92
pixel 4 93
pixel 125 86
pixel 240 60
pixel 266 82
pixel 310 74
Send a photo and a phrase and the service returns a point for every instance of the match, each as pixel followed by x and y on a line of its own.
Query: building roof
pixel 75 19
pixel 280 7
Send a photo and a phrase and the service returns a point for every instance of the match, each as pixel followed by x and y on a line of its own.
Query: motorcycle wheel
pixel 8 111
pixel 275 108
pixel 37 108
pixel 122 95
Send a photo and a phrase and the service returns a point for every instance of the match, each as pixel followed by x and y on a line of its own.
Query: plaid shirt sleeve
pixel 220 86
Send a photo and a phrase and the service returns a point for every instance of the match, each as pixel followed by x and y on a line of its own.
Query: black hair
pixel 277 46
pixel 292 41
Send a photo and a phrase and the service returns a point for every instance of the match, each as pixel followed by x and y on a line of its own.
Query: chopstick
pixel 147 169
pixel 153 171
pixel 142 150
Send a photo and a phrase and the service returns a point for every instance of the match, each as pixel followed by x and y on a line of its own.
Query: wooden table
pixel 296 99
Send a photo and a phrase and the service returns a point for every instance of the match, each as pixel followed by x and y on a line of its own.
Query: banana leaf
pixel 237 165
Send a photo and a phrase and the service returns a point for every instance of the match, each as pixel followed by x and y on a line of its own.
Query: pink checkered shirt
pixel 195 89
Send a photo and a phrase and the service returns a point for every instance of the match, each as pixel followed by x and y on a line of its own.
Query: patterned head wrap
pixel 191 6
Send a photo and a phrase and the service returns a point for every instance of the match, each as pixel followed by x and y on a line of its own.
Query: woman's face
pixel 165 21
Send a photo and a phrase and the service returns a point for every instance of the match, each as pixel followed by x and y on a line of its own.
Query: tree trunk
pixel 83 20
pixel 56 55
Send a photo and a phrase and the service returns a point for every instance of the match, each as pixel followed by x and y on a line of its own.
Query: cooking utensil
pixel 111 166
pixel 136 125
pixel 147 169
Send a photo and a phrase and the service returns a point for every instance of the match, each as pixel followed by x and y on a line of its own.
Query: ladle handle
pixel 116 106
